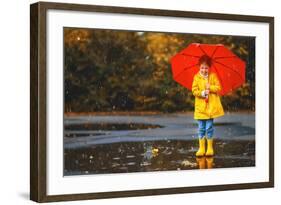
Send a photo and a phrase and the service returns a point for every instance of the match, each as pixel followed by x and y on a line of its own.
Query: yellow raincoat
pixel 213 108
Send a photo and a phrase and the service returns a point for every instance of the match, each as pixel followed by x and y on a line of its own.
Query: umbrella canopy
pixel 229 68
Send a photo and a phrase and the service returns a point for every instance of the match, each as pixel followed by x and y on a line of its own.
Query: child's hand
pixel 207 92
pixel 207 86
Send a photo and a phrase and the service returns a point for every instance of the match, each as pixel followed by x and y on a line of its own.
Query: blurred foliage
pixel 107 70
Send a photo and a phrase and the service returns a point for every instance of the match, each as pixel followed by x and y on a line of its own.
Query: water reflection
pixel 205 162
pixel 155 156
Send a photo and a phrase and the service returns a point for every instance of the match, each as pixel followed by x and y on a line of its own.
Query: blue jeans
pixel 205 126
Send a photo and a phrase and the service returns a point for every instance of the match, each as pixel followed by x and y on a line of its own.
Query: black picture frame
pixel 38 101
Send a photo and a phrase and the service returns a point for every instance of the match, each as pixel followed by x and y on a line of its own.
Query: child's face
pixel 204 69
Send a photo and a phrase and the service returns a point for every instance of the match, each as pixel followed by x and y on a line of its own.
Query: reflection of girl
pixel 205 88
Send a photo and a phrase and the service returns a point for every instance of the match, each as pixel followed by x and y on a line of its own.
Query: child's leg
pixel 210 128
pixel 201 136
pixel 201 128
pixel 210 133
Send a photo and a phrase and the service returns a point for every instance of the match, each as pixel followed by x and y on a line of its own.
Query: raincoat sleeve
pixel 195 88
pixel 215 86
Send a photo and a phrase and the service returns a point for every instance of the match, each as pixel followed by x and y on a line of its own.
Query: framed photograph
pixel 134 102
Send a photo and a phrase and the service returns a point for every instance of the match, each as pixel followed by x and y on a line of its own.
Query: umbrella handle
pixel 207 96
pixel 207 99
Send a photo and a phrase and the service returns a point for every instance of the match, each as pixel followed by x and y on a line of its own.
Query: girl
pixel 205 88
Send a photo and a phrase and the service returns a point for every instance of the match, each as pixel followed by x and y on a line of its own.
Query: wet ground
pixel 119 144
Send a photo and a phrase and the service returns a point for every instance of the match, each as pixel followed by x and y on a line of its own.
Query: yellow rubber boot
pixel 202 149
pixel 210 149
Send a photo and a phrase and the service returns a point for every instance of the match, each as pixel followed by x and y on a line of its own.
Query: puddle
pixel 74 135
pixel 156 156
pixel 110 126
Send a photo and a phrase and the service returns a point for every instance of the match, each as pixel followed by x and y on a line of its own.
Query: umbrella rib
pixel 229 69
pixel 184 54
pixel 219 75
pixel 214 52
pixel 186 68
pixel 202 50
pixel 223 57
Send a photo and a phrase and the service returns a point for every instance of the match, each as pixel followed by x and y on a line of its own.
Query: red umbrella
pixel 229 68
